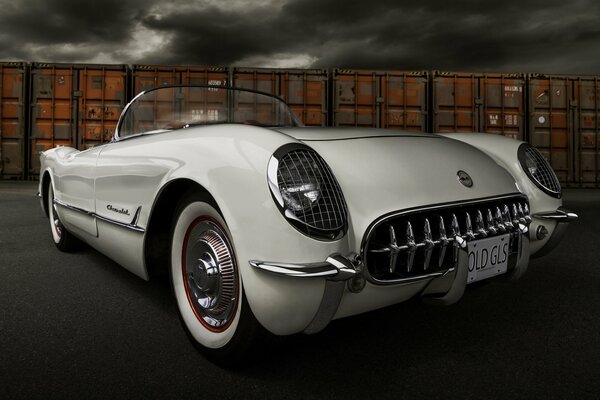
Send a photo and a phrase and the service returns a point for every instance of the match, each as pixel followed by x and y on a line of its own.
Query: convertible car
pixel 264 225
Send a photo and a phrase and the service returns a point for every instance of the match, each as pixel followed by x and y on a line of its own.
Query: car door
pixel 74 185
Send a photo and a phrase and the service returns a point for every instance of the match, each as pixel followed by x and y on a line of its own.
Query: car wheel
pixel 207 284
pixel 63 239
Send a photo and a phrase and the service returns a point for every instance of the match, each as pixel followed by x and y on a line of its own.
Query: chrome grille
pixel 418 243
pixel 540 170
pixel 328 212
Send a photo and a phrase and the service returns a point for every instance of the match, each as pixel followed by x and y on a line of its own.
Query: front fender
pixel 231 164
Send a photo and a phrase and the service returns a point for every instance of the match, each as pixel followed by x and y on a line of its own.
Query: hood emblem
pixel 464 179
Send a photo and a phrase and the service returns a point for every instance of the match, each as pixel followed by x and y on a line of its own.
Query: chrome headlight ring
pixel 538 170
pixel 306 192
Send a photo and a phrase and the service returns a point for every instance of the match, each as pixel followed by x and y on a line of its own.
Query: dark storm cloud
pixel 39 23
pixel 520 36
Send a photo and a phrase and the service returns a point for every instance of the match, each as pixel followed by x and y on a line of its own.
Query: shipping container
pixel 53 109
pixel 304 90
pixel 12 120
pixel 551 122
pixel 476 102
pixel 586 94
pixel 380 99
pixel 102 97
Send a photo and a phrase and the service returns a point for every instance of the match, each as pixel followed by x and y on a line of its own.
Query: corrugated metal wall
pixel 45 105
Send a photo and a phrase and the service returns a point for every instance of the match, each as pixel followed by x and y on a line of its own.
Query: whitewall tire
pixel 207 283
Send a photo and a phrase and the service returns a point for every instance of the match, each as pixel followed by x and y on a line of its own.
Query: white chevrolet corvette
pixel 265 225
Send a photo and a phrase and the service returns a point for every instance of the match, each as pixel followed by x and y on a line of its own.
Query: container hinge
pixel 78 93
pixel 380 100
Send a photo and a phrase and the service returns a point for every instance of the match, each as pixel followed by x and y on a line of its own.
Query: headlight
pixel 538 170
pixel 307 193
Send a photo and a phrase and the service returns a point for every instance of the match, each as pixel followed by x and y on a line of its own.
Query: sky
pixel 546 36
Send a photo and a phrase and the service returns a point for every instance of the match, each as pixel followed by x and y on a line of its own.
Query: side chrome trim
pixel 132 226
pixel 560 215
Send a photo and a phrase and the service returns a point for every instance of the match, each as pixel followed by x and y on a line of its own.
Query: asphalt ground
pixel 79 326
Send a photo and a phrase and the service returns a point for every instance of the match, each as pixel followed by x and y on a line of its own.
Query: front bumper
pixel 343 273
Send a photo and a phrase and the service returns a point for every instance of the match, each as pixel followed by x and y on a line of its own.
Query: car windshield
pixel 179 107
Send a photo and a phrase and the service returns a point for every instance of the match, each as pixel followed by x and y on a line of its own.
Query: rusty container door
pixel 504 104
pixel 305 91
pixel 456 102
pixel 102 96
pixel 405 100
pixel 587 130
pixel 356 98
pixel 550 122
pixel 248 106
pixel 53 109
pixel 12 120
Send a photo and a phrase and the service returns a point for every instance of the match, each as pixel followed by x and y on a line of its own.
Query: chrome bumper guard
pixel 562 217
pixel 337 270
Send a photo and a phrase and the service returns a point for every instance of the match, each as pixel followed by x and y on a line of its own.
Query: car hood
pixel 310 133
pixel 381 171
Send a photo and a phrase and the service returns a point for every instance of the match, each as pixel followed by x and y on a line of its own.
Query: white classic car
pixel 266 225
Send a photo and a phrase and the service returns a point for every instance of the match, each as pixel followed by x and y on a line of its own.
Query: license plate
pixel 488 257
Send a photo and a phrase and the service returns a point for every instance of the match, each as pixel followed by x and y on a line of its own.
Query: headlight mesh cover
pixel 303 172
pixel 539 170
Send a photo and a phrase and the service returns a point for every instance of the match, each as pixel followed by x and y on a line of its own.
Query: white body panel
pixel 378 171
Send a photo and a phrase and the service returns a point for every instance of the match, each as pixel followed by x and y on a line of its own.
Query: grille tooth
pixel 527 213
pixel 428 244
pixel 515 215
pixel 443 241
pixel 506 217
pixel 422 247
pixel 412 247
pixel 469 224
pixel 498 219
pixel 521 214
pixel 490 222
pixel 455 227
pixel 479 226
pixel 394 249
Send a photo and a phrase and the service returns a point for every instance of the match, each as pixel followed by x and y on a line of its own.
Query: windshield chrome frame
pixel 117 137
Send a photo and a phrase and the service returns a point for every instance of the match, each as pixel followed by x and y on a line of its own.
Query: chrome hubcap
pixel 210 275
